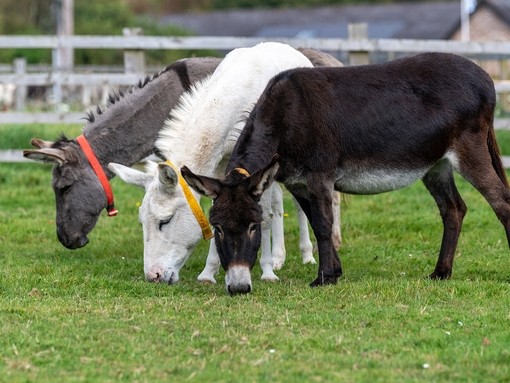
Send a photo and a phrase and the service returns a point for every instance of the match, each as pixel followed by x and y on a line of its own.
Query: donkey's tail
pixel 497 163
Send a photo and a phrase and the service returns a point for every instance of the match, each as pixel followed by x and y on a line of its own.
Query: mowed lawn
pixel 88 315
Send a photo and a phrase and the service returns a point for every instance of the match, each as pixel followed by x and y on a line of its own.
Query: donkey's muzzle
pixel 160 275
pixel 72 242
pixel 238 280
pixel 243 288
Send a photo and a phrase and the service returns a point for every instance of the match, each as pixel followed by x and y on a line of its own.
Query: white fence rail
pixel 228 43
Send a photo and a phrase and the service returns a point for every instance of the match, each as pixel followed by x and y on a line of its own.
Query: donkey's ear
pixel 207 186
pixel 167 175
pixel 261 180
pixel 40 144
pixel 131 176
pixel 51 155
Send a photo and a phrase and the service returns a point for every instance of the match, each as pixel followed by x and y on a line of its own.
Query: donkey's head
pixel 79 196
pixel 236 217
pixel 170 230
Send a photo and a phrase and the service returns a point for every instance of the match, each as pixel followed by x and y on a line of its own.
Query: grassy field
pixel 88 315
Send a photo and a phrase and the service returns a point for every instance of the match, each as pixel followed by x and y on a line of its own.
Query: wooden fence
pixel 355 50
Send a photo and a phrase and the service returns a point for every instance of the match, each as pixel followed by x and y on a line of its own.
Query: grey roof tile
pixel 433 20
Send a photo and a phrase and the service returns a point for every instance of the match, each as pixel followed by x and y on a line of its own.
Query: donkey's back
pixel 378 127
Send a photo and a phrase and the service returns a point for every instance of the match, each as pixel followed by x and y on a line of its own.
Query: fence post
pixel 20 68
pixel 358 31
pixel 134 60
pixel 504 96
pixel 62 55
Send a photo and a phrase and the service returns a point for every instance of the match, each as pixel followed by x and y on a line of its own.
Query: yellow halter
pixel 194 205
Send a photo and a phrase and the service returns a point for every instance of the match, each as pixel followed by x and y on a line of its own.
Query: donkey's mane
pixel 174 130
pixel 114 97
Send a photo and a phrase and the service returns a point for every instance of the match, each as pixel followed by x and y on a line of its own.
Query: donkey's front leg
pixel 330 268
pixel 319 211
pixel 212 265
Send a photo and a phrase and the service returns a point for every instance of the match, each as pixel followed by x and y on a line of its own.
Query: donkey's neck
pixel 255 148
pixel 125 132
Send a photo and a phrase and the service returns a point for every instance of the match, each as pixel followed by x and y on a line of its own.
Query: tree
pixel 91 17
pixel 35 18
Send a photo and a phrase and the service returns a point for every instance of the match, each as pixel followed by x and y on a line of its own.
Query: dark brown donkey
pixel 360 130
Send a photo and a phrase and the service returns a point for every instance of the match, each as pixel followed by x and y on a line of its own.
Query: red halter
pixel 91 157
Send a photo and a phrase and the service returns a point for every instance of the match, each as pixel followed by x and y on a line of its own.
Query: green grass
pixel 503 137
pixel 88 315
pixel 18 136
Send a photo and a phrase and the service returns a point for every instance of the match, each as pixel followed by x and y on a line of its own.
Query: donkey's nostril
pixel 154 276
pixel 246 290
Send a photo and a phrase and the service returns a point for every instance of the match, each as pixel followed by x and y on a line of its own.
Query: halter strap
pixel 193 204
pixel 242 171
pixel 93 161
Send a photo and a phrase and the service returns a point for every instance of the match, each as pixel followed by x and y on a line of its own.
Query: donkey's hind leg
pixel 441 185
pixel 277 227
pixel 481 172
pixel 337 222
pixel 266 255
pixel 305 244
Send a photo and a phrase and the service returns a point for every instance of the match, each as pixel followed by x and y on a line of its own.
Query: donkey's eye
pixel 252 228
pixel 219 230
pixel 164 222
pixel 65 189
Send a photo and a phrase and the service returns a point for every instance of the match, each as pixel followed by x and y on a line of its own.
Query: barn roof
pixel 434 20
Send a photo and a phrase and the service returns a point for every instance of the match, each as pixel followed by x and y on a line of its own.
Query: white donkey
pixel 201 133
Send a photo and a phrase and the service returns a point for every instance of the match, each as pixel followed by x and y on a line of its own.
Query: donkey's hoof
pixel 309 260
pixel 323 280
pixel 443 275
pixel 206 279
pixel 269 276
pixel 306 251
